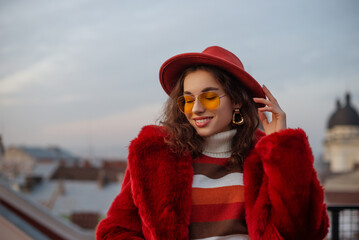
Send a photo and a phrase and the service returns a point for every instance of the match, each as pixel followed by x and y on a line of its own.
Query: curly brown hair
pixel 182 135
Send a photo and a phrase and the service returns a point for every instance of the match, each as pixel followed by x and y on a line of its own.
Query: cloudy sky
pixel 84 74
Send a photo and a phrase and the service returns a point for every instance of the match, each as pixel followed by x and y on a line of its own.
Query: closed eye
pixel 211 98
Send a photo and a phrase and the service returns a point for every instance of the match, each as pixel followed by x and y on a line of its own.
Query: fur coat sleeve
pixel 155 198
pixel 284 199
pixel 122 221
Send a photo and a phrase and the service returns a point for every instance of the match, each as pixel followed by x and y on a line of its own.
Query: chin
pixel 209 132
pixel 206 132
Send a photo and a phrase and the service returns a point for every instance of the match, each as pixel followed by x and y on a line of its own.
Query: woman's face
pixel 207 121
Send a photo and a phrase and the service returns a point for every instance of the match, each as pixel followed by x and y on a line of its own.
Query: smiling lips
pixel 202 121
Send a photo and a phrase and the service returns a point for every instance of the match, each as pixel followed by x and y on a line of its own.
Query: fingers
pixel 266 109
pixel 270 107
pixel 278 121
pixel 269 94
pixel 271 103
pixel 265 123
pixel 271 98
pixel 262 100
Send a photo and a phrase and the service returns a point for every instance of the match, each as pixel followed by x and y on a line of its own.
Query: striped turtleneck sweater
pixel 217 193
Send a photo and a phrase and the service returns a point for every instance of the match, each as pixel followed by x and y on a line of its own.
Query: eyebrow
pixel 207 89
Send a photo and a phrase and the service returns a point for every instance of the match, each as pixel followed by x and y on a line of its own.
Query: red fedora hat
pixel 172 69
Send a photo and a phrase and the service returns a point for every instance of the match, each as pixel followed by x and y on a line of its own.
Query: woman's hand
pixel 278 122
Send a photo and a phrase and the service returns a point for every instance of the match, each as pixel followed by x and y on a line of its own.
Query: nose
pixel 197 107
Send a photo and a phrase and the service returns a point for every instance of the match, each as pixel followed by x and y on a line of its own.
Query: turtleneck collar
pixel 219 145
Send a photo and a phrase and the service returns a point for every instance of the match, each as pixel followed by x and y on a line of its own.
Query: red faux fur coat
pixel 283 198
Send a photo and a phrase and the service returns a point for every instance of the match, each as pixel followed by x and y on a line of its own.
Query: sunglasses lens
pixel 185 103
pixel 209 100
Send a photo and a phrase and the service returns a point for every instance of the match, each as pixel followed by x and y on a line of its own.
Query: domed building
pixel 341 145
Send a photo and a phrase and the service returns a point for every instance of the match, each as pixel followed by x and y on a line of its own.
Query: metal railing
pixel 344 222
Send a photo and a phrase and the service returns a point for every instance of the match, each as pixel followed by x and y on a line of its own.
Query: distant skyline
pixel 83 75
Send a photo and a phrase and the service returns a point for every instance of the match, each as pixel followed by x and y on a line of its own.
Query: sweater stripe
pixel 214 171
pixel 230 194
pixel 222 228
pixel 201 181
pixel 207 159
pixel 217 212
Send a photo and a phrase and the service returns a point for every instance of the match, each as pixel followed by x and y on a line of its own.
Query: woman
pixel 208 172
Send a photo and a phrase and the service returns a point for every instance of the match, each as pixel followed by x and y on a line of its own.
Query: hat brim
pixel 172 69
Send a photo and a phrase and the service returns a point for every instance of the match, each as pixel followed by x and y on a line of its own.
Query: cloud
pixel 118 127
pixel 68 98
pixel 37 73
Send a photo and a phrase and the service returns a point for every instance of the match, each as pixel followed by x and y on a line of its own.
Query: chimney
pixel 2 148
pixel 338 104
pixel 347 99
pixel 101 179
pixel 61 187
pixel 86 164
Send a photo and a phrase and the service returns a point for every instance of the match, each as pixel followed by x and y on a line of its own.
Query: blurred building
pixel 81 193
pixel 63 184
pixel 23 160
pixel 339 170
pixel 341 145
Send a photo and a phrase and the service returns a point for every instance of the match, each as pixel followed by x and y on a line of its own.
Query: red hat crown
pixel 224 54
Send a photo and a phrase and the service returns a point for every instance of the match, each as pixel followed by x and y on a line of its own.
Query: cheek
pixel 226 117
pixel 188 116
pixel 225 112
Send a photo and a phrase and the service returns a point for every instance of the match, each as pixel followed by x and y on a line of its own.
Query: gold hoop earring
pixel 237 114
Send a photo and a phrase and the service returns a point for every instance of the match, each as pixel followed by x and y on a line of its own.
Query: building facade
pixel 341 145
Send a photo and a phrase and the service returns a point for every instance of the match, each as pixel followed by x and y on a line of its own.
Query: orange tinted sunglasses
pixel 209 100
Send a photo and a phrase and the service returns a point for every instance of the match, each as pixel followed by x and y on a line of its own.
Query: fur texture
pixel 283 197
